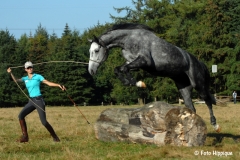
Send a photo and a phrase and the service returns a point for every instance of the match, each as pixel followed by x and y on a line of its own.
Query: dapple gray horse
pixel 143 49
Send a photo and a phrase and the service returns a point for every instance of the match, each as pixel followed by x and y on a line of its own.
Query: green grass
pixel 78 138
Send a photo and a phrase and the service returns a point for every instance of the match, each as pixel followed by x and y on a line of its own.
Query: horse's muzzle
pixel 91 72
pixel 92 67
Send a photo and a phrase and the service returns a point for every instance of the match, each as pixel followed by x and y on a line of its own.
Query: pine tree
pixel 7 50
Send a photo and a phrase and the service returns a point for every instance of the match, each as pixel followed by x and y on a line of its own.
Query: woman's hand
pixel 9 70
pixel 62 87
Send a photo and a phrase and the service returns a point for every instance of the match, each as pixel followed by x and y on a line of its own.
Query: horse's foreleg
pixel 119 72
pixel 124 76
pixel 138 63
pixel 123 72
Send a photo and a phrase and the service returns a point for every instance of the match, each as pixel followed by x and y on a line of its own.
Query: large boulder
pixel 155 123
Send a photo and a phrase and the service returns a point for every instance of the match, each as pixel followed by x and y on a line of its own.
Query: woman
pixel 32 82
pixel 234 97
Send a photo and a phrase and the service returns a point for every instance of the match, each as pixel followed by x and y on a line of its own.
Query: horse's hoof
pixel 141 84
pixel 217 128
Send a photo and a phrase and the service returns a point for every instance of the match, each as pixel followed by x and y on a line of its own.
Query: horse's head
pixel 98 54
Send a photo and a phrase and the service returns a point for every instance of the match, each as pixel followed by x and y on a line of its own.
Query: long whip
pixel 76 105
pixel 54 62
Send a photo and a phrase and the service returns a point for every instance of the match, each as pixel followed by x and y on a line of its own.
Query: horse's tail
pixel 207 80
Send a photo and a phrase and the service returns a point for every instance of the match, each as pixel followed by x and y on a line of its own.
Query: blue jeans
pixel 234 100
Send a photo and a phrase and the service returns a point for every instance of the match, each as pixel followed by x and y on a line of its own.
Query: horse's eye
pixel 96 50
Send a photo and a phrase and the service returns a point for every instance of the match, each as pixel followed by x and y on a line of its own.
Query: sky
pixel 24 16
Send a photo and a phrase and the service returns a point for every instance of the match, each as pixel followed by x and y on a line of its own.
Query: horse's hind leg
pixel 209 100
pixel 185 88
pixel 186 93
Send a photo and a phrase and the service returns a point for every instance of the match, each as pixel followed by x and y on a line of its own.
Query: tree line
pixel 208 29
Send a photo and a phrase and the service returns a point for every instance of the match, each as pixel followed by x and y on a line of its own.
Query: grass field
pixel 78 140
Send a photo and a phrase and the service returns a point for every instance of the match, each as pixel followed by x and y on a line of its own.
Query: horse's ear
pixel 98 41
pixel 95 39
pixel 90 40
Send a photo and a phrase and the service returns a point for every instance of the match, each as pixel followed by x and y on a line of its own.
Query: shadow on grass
pixel 218 137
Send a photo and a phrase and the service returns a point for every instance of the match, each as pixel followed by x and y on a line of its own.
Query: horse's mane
pixel 130 26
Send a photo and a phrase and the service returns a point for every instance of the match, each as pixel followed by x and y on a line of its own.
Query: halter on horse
pixel 143 49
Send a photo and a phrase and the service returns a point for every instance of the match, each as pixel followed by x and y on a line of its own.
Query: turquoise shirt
pixel 33 85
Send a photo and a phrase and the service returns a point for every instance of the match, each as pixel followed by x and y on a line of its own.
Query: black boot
pixel 24 137
pixel 52 132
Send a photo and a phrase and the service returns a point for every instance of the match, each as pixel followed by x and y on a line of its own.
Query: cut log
pixel 155 123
